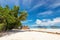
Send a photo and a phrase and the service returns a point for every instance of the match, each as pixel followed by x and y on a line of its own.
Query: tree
pixel 10 17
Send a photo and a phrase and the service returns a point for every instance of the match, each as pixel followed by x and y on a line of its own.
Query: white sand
pixel 31 36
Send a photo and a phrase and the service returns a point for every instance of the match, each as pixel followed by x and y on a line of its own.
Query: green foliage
pixel 10 18
pixel 2 27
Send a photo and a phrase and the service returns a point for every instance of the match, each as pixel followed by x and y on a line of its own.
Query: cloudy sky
pixel 40 12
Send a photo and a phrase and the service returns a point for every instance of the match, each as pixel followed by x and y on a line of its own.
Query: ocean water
pixel 46 27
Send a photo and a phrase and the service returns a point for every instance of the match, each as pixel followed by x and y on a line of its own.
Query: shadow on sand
pixel 10 32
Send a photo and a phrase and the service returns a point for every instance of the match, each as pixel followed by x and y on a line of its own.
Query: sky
pixel 40 12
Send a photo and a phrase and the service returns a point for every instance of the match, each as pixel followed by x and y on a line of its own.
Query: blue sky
pixel 40 12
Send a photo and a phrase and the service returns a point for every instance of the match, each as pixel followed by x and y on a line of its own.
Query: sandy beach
pixel 31 35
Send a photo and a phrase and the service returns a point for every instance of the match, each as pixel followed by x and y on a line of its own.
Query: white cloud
pixel 38 21
pixel 54 5
pixel 45 13
pixel 27 21
pixel 37 5
pixel 47 22
pixel 56 20
pixel 43 23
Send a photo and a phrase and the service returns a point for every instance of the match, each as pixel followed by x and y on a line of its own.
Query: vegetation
pixel 11 18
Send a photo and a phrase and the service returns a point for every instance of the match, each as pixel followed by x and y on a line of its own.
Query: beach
pixel 31 34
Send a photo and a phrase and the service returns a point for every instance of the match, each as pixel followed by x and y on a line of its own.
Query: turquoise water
pixel 47 27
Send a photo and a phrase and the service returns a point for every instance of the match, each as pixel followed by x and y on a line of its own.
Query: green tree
pixel 11 18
